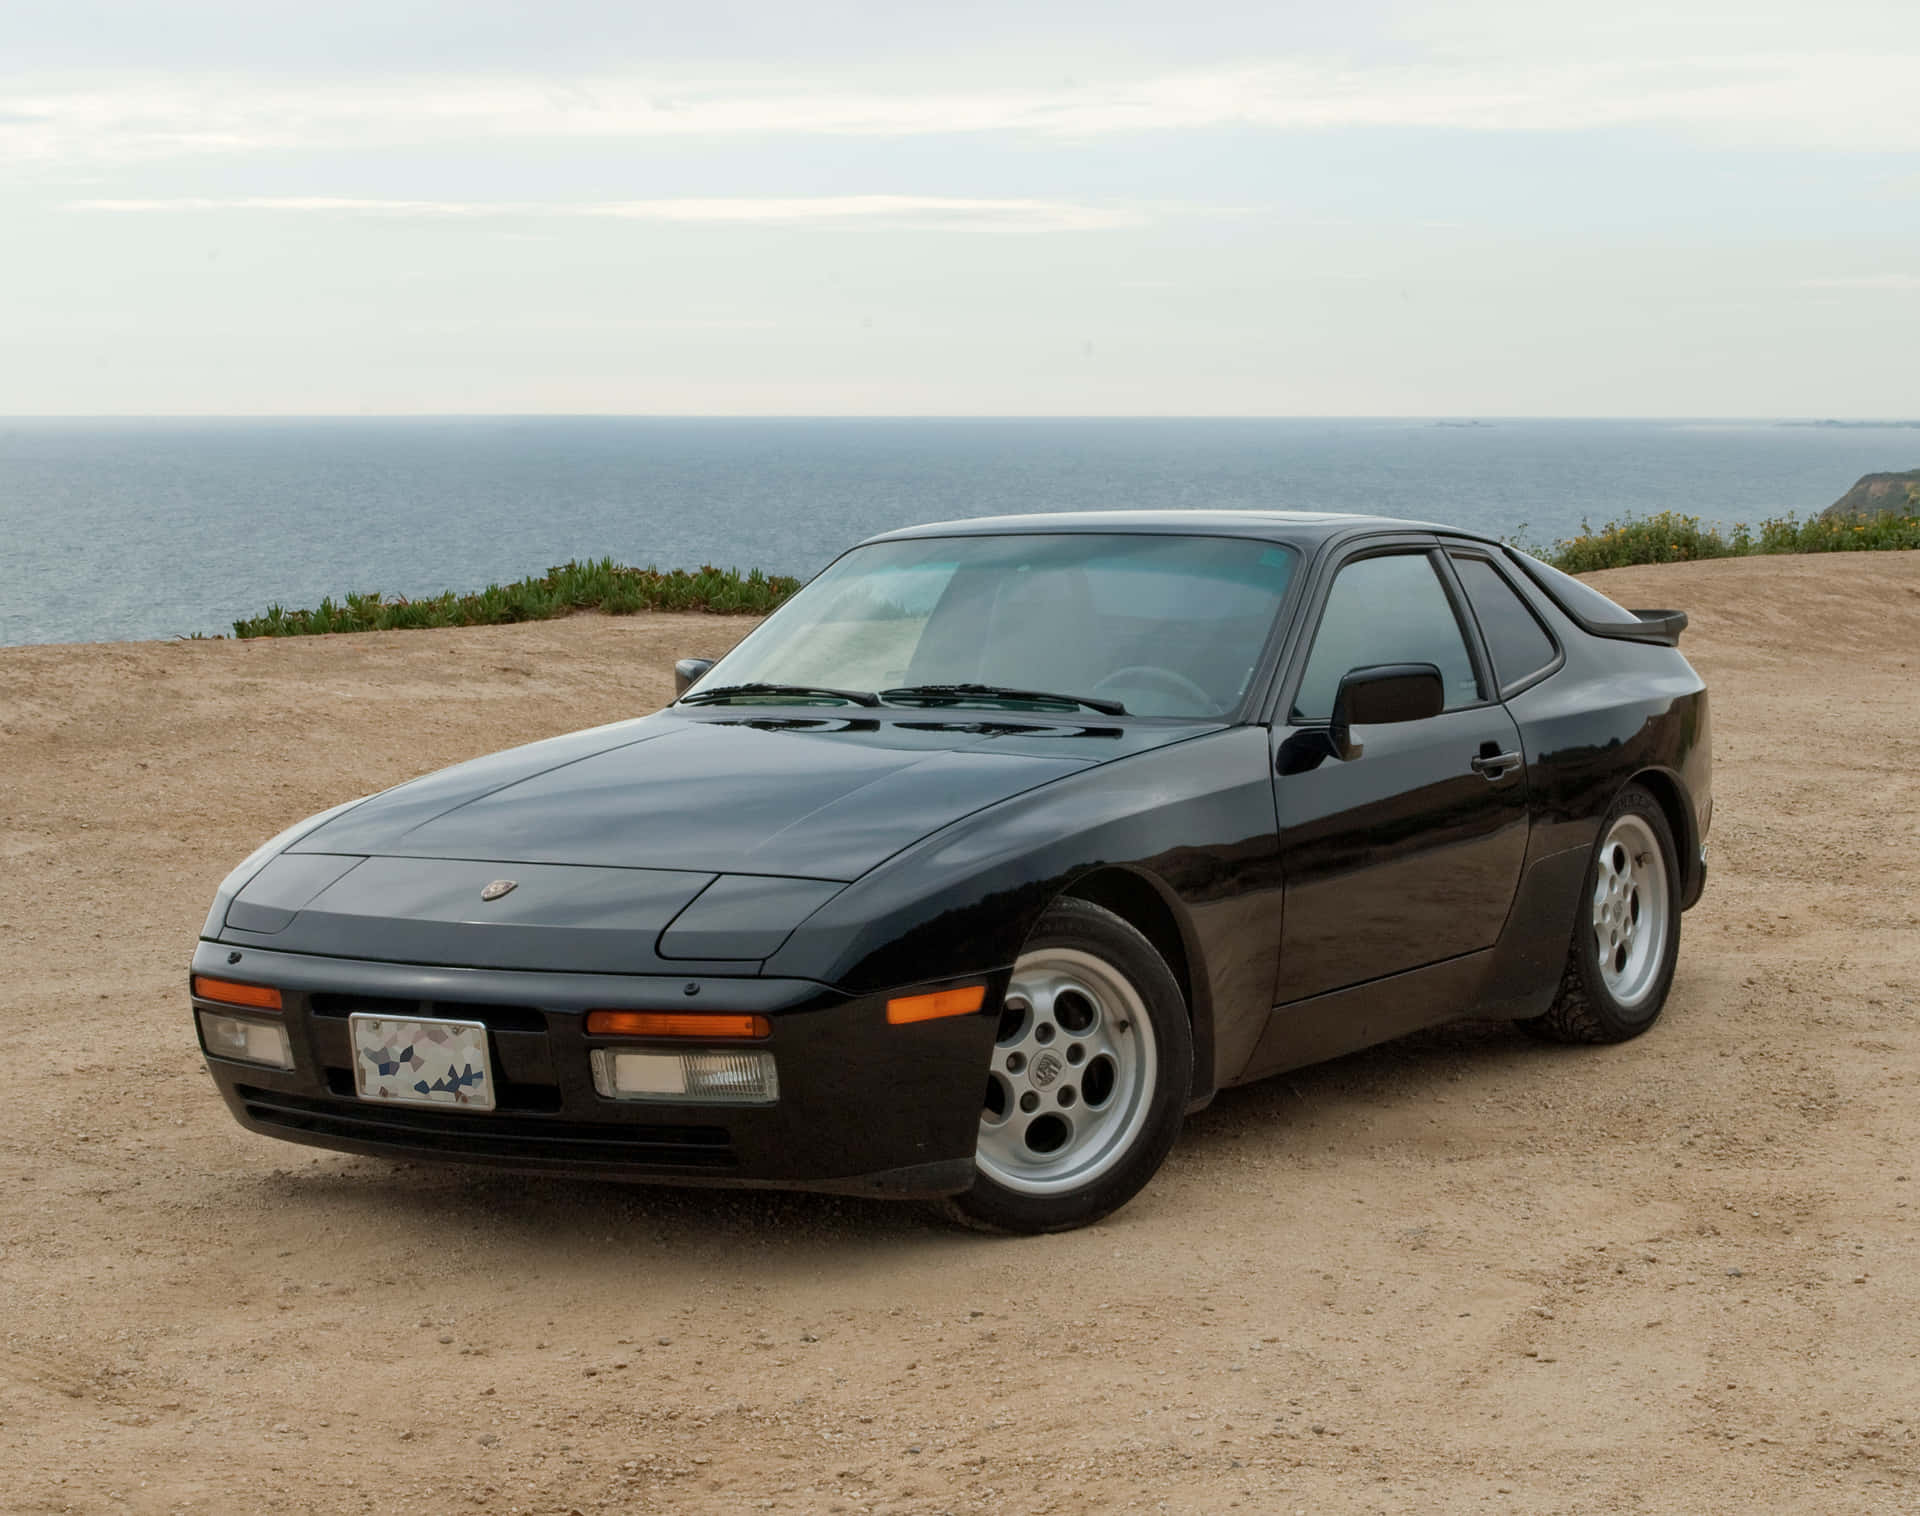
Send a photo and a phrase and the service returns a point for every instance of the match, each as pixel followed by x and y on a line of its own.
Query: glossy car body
pixel 809 864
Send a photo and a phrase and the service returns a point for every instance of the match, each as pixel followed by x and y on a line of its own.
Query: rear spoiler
pixel 1662 627
pixel 1655 626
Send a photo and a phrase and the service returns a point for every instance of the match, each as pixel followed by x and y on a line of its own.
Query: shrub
pixel 1669 537
pixel 595 585
pixel 616 589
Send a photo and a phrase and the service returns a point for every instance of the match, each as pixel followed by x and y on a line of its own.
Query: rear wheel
pixel 1089 1078
pixel 1627 939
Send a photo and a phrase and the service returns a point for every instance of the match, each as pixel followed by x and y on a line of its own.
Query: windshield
pixel 1163 626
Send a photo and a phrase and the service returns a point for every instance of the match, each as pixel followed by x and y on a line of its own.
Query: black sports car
pixel 994 852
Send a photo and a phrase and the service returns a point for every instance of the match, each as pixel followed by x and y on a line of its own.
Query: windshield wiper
pixel 949 694
pixel 729 691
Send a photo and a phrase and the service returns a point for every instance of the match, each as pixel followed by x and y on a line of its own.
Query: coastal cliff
pixel 1877 495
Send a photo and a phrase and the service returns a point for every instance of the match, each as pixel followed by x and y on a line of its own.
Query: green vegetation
pixel 612 588
pixel 615 589
pixel 1670 537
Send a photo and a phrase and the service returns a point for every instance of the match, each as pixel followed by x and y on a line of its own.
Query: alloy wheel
pixel 1073 1074
pixel 1630 914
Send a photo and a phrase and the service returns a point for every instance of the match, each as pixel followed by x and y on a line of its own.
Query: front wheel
pixel 1627 938
pixel 1089 1078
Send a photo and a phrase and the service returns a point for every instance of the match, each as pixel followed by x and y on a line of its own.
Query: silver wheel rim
pixel 1630 911
pixel 1073 1074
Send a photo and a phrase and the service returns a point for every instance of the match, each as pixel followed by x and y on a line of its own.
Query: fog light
pixel 246 1040
pixel 711 1078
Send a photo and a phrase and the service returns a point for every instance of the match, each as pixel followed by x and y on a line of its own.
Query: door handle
pixel 1494 765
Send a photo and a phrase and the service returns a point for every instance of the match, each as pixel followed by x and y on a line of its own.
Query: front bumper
pixel 865 1107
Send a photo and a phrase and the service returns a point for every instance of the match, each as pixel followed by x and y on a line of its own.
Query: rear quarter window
pixel 1582 601
pixel 1518 643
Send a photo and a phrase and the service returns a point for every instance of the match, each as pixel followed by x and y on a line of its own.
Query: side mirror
pixel 686 672
pixel 1381 695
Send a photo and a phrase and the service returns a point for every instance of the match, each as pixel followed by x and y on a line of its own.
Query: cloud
pixel 1832 99
pixel 929 212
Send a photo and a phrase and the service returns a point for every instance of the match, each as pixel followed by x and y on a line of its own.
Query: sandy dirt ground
pixel 1462 1272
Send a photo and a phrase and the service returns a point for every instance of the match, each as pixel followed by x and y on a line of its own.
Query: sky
pixel 1470 208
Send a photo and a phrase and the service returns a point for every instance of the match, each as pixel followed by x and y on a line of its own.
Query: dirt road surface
pixel 1459 1273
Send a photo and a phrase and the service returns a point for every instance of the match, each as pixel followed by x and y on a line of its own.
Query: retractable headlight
pixel 257 860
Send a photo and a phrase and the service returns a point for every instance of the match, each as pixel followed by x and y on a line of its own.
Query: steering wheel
pixel 1136 675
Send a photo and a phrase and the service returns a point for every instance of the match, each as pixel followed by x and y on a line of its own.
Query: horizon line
pixel 1484 417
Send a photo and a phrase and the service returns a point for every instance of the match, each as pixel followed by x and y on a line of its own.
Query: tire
pixel 1626 937
pixel 1089 1079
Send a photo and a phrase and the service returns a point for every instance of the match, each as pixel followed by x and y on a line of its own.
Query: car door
pixel 1409 851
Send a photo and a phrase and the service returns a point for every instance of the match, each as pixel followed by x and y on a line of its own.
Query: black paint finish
pixel 860 1100
pixel 706 792
pixel 1400 857
pixel 809 862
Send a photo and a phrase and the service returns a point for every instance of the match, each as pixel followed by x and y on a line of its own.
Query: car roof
pixel 1300 528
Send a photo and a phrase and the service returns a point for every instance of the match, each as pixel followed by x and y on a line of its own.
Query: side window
pixel 1390 609
pixel 1519 644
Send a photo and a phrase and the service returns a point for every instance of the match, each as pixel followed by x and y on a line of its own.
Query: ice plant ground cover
pixel 1670 537
pixel 595 585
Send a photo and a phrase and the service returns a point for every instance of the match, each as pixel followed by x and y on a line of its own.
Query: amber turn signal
pixel 672 1024
pixel 262 997
pixel 961 1002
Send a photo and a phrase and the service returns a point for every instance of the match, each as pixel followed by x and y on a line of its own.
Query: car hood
pixel 818 798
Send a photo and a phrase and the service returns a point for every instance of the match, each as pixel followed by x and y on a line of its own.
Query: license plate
pixel 412 1061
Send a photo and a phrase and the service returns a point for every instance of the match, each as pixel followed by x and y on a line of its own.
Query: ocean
pixel 118 529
